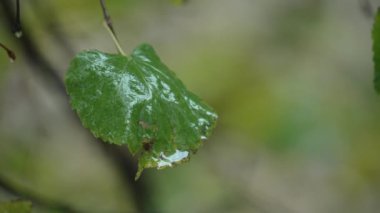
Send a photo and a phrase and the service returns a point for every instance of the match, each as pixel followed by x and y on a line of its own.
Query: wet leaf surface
pixel 137 101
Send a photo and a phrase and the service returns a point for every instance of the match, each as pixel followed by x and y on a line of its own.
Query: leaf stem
pixel 108 25
pixel 115 40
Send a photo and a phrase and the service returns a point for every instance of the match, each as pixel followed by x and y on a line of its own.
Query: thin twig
pixel 107 17
pixel 17 27
pixel 109 27
pixel 11 54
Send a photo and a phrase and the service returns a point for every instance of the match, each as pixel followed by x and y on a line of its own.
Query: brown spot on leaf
pixel 147 144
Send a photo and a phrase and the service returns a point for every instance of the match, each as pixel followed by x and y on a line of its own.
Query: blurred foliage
pixel 179 2
pixel 16 207
pixel 290 80
pixel 376 50
pixel 4 61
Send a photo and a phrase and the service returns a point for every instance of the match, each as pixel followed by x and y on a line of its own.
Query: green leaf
pixel 376 50
pixel 139 102
pixel 16 207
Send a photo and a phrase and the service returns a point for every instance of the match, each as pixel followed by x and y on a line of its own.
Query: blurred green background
pixel 291 81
